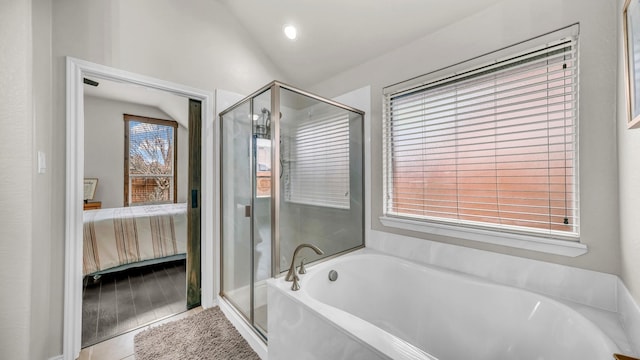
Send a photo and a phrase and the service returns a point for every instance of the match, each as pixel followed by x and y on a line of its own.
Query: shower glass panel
pixel 292 173
pixel 321 181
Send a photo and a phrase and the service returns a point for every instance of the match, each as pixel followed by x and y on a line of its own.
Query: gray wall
pixel 629 178
pixel 42 188
pixel 25 206
pixel 16 179
pixel 197 44
pixel 503 24
pixel 104 147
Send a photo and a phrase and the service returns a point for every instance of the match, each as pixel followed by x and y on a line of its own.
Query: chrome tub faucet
pixel 291 274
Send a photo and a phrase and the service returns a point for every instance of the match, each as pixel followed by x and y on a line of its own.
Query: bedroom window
pixel 490 148
pixel 150 161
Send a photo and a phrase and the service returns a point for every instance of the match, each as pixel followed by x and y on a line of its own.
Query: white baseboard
pixel 59 357
pixel 247 333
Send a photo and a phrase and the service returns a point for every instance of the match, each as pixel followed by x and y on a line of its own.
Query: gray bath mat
pixel 205 335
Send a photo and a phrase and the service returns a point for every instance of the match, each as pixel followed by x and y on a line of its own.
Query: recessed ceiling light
pixel 290 32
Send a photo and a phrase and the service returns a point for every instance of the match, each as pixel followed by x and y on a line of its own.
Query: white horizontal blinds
pixel 492 147
pixel 317 161
pixel 151 168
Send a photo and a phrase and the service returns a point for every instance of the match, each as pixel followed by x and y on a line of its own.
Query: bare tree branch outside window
pixel 151 160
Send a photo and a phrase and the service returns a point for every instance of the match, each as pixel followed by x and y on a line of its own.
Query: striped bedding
pixel 120 236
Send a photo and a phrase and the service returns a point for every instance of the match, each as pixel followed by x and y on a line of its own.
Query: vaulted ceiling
pixel 175 106
pixel 335 35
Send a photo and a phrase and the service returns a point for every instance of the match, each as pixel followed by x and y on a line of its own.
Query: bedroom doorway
pixel 202 245
pixel 141 232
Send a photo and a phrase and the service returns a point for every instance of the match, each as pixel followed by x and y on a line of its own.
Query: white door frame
pixel 76 71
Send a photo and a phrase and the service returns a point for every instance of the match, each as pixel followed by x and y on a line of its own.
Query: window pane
pixel 151 167
pixel 493 147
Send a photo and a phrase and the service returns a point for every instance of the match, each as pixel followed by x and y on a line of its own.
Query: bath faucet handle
pixel 296 283
pixel 302 269
pixel 291 274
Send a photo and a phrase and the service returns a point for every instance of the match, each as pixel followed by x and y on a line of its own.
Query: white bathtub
pixel 383 307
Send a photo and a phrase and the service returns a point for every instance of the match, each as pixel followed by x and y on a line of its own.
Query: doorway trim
pixel 76 71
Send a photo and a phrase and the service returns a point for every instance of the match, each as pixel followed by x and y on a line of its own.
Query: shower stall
pixel 292 172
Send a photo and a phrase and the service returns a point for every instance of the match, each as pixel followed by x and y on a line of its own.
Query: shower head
pixel 266 111
pixel 267 118
pixel 263 127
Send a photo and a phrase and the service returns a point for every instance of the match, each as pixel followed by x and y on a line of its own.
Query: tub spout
pixel 291 274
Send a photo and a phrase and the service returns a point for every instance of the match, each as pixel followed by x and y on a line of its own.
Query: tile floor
pixel 121 347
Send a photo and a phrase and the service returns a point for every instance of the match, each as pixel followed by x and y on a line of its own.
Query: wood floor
pixel 123 301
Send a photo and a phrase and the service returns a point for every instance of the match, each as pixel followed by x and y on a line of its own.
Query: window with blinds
pixel 316 161
pixel 150 167
pixel 494 147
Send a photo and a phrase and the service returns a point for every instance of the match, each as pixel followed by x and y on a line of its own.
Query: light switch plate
pixel 42 162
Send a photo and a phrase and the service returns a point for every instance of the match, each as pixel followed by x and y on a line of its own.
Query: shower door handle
pixel 247 211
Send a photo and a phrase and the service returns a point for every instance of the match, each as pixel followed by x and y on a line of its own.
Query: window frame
pixel 127 142
pixel 561 245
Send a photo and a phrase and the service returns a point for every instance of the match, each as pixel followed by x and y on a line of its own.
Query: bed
pixel 118 238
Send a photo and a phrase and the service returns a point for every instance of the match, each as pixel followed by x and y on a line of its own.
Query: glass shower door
pixel 246 208
pixel 236 198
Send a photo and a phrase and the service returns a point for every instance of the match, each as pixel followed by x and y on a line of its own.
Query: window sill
pixel 533 243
